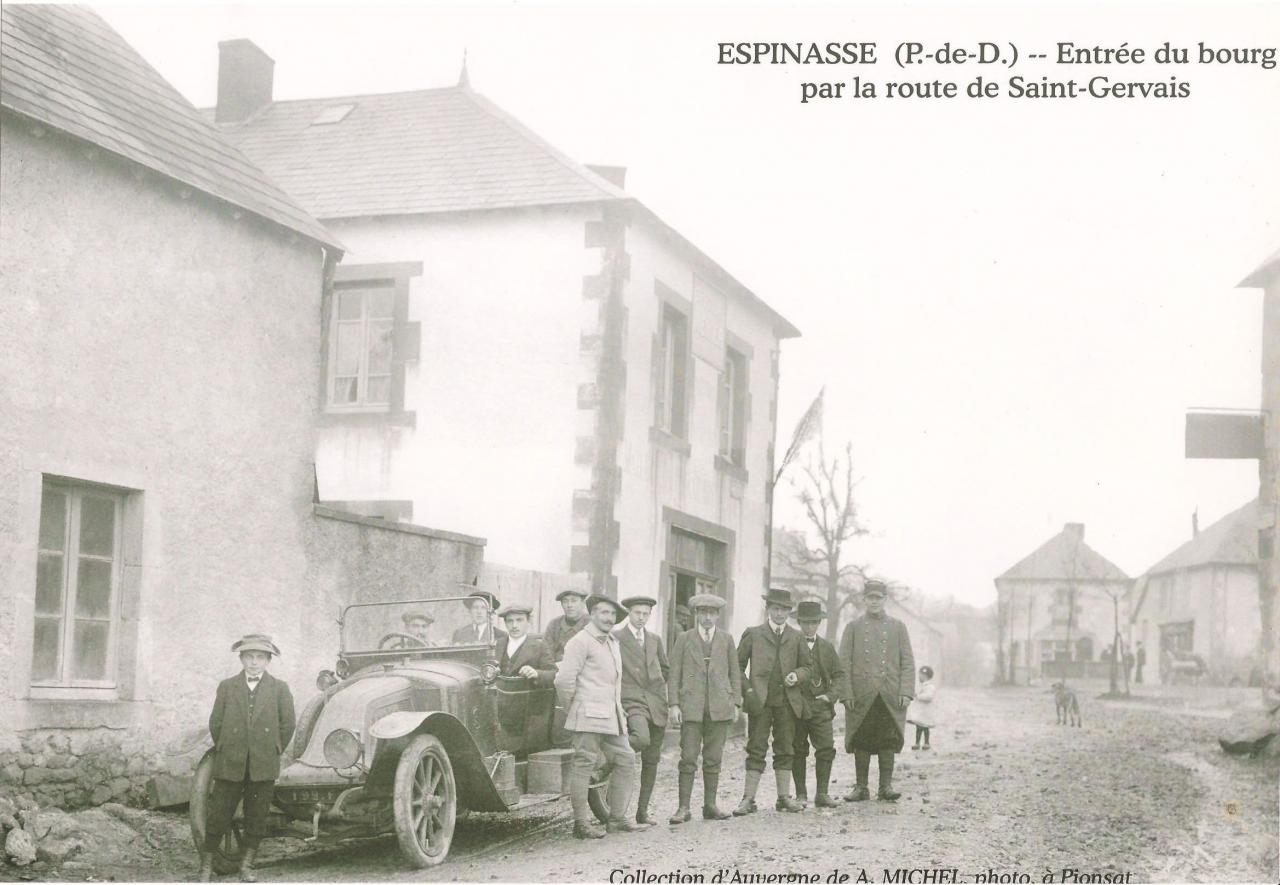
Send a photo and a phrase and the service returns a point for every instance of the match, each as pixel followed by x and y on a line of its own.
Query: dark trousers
pixel 1139 679
pixel 922 734
pixel 703 738
pixel 815 730
pixel 779 720
pixel 646 739
pixel 221 808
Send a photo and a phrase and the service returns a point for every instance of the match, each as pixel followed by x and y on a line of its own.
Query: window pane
pixel 49 584
pixel 382 303
pixel 379 389
pixel 93 589
pixel 349 305
pixel 90 650
pixel 44 652
pixel 344 390
pixel 380 348
pixel 97 526
pixel 53 520
pixel 348 354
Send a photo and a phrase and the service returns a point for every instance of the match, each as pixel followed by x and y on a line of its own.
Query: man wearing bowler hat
pixel 644 693
pixel 882 676
pixel 705 690
pixel 826 686
pixel 563 627
pixel 589 685
pixel 778 660
pixel 482 604
pixel 520 654
pixel 251 724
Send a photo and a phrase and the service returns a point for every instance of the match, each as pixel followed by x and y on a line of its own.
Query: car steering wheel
pixel 407 640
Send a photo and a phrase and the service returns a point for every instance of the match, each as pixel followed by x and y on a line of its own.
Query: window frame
pixel 366 290
pixel 734 389
pixel 671 394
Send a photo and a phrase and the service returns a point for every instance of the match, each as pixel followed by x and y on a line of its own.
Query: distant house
pixel 1202 600
pixel 161 303
pixel 1058 608
pixel 517 348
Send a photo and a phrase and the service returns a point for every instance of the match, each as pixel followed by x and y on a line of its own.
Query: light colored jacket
pixel 589 683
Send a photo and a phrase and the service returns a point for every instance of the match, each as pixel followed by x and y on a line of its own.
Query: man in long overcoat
pixel 251 723
pixel 644 693
pixel 589 686
pixel 827 686
pixel 705 691
pixel 520 653
pixel 882 675
pixel 778 660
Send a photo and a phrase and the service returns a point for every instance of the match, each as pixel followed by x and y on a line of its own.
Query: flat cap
pixel 706 600
pixel 516 608
pixel 639 600
pixel 563 593
pixel 595 599
pixel 409 617
pixel 255 642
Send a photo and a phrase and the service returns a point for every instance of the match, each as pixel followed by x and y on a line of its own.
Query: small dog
pixel 1067 707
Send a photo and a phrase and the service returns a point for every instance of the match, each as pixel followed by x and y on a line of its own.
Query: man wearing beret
pixel 778 661
pixel 644 693
pixel 482 604
pixel 882 675
pixel 826 686
pixel 563 627
pixel 520 654
pixel 589 685
pixel 705 691
pixel 251 724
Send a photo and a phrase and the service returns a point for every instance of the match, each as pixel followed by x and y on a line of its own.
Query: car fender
pixel 475 787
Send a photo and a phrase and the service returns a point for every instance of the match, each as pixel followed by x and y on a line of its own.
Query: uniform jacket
pixel 921 711
pixel 644 675
pixel 877 652
pixel 534 652
pixel 705 687
pixel 589 683
pixel 240 744
pixel 466 634
pixel 827 676
pixel 757 651
pixel 560 631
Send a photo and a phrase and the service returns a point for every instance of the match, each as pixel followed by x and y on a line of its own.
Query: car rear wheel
pixel 425 801
pixel 226 859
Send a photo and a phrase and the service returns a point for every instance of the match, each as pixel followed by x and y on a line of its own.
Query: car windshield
pixel 418 624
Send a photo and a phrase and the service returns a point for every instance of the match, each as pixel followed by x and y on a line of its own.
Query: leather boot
pixel 798 775
pixel 862 769
pixel 749 787
pixel 886 790
pixel 246 865
pixel 585 829
pixel 206 866
pixel 683 814
pixel 710 786
pixel 821 798
pixel 785 802
pixel 648 774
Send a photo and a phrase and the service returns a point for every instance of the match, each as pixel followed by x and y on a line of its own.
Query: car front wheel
pixel 425 801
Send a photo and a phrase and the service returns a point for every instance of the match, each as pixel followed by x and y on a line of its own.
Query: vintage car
pixel 414 730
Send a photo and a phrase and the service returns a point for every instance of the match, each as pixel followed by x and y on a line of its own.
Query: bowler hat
pixel 255 642
pixel 595 599
pixel 516 608
pixel 706 600
pixel 486 597
pixel 874 586
pixel 409 617
pixel 810 610
pixel 639 600
pixel 778 596
pixel 563 593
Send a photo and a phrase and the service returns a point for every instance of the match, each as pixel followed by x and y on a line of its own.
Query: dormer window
pixel 333 114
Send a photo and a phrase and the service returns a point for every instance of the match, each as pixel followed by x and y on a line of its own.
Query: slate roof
pixel 65 67
pixel 1053 561
pixel 1232 540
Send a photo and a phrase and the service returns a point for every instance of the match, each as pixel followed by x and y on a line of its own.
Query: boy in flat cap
pixel 705 691
pixel 778 659
pixel 827 685
pixel 251 724
pixel 520 654
pixel 882 677
pixel 482 604
pixel 644 693
pixel 563 627
pixel 589 685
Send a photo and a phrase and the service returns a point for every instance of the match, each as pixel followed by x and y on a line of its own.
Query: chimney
pixel 1076 530
pixel 245 75
pixel 615 175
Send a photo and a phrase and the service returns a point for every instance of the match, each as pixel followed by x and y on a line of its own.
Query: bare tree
pixel 1114 593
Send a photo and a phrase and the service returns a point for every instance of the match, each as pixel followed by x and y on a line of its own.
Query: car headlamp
pixel 342 748
pixel 342 668
pixel 489 673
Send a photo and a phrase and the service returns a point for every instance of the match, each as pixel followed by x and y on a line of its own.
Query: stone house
pixel 518 348
pixel 1058 610
pixel 157 439
pixel 1202 600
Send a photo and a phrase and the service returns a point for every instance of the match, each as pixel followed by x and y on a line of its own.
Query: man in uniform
pixel 482 604
pixel 644 693
pixel 589 685
pixel 251 724
pixel 826 686
pixel 882 675
pixel 705 691
pixel 778 659
pixel 520 654
pixel 563 627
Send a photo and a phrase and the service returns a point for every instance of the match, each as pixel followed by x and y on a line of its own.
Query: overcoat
pixel 241 745
pixel 705 687
pixel 827 676
pixel 589 683
pixel 644 675
pixel 759 649
pixel 534 652
pixel 877 653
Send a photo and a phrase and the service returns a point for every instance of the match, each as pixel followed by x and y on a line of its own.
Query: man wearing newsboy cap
pixel 251 724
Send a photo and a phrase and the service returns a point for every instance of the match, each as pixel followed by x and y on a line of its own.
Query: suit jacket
pixel 707 686
pixel 758 649
pixel 560 631
pixel 644 675
pixel 877 652
pixel 589 683
pixel 827 676
pixel 254 746
pixel 533 652
pixel 466 634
